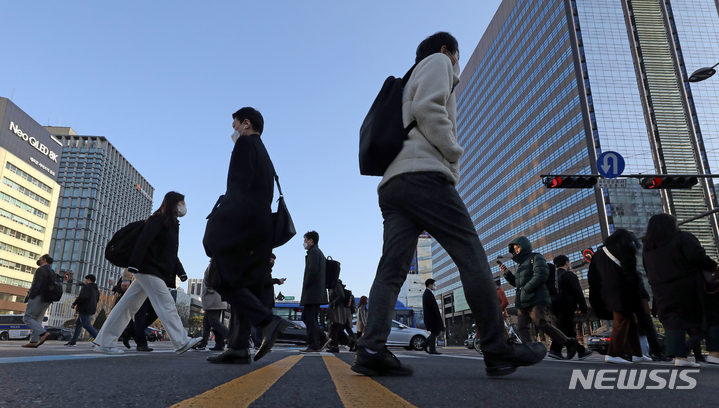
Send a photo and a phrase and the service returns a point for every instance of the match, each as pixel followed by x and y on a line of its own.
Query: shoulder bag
pixel 283 228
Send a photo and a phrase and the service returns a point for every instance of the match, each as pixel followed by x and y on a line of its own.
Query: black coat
pixel 569 293
pixel 268 290
pixel 674 270
pixel 238 236
pixel 314 283
pixel 432 316
pixel 40 281
pixel 620 285
pixel 86 301
pixel 155 252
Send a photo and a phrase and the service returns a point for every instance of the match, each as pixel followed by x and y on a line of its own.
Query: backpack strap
pixel 612 257
pixel 277 180
pixel 405 79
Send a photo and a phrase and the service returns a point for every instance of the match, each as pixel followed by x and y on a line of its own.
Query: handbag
pixel 283 228
pixel 711 282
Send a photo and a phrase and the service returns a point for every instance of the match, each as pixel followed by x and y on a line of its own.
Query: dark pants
pixel 144 317
pixel 212 321
pixel 646 327
pixel 247 311
pixel 416 202
pixel 83 320
pixel 624 330
pixel 432 341
pixel 310 314
pixel 565 323
pixel 538 315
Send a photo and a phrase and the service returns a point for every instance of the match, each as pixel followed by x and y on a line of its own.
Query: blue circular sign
pixel 610 164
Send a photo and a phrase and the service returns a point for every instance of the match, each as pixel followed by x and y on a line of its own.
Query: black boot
pixel 381 363
pixel 517 355
pixel 269 335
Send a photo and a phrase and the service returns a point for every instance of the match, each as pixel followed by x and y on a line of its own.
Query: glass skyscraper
pixel 554 83
pixel 101 193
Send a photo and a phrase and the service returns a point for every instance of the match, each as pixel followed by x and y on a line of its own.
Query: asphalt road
pixel 57 376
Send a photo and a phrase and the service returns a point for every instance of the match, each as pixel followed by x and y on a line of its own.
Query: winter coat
pixel 314 291
pixel 503 301
pixel 675 270
pixel 429 99
pixel 86 301
pixel 432 317
pixel 155 252
pixel 211 300
pixel 238 236
pixel 268 290
pixel 530 277
pixel 336 308
pixel 570 294
pixel 40 281
pixel 361 318
pixel 620 285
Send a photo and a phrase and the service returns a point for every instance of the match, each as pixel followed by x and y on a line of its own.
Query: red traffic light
pixel 66 277
pixel 570 181
pixel 668 182
pixel 553 182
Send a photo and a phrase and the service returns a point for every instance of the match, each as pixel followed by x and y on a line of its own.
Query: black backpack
pixel 383 133
pixel 332 273
pixel 53 290
pixel 119 250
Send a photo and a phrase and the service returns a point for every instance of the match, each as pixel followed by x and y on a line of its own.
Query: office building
pixel 194 287
pixel 554 83
pixel 29 164
pixel 101 193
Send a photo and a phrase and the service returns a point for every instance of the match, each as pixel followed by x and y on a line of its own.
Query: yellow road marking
pixel 243 391
pixel 360 391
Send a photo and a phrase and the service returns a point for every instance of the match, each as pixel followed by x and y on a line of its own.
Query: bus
pixel 291 310
pixel 13 328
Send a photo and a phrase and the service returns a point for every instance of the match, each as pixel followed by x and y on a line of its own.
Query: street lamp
pixel 703 73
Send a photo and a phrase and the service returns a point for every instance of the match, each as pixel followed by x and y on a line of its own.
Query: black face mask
pixel 38 262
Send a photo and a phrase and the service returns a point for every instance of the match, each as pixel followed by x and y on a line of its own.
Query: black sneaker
pixel 584 354
pixel 571 346
pixel 517 355
pixel 556 355
pixel 382 363
pixel 125 340
pixel 232 356
pixel 334 349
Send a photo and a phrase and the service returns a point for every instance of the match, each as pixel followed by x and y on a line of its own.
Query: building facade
pixel 29 156
pixel 553 84
pixel 194 287
pixel 101 192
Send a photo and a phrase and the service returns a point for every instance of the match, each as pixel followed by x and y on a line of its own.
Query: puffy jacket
pixel 530 277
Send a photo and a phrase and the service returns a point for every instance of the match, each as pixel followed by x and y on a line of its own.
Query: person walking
pixel 238 239
pixel 616 264
pixel 417 193
pixel 361 316
pixel 213 306
pixel 155 264
pixel 268 299
pixel 533 300
pixel 674 261
pixel 432 317
pixel 336 315
pixel 86 306
pixel 38 301
pixel 569 298
pixel 314 292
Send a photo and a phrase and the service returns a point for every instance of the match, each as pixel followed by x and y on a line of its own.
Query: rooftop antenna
pixel 13 94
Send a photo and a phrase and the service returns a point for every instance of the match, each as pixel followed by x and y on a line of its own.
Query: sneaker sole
pixel 190 344
pixel 556 357
pixel 372 373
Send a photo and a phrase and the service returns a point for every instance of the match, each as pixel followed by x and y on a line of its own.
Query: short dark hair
pixel 429 282
pixel 47 259
pixel 433 43
pixel 660 229
pixel 560 260
pixel 91 277
pixel 253 115
pixel 314 236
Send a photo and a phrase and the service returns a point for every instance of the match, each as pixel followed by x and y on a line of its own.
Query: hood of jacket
pixel 526 246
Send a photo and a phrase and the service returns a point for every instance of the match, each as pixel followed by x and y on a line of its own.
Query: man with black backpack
pixel 42 293
pixel 314 292
pixel 532 299
pixel 417 193
pixel 569 297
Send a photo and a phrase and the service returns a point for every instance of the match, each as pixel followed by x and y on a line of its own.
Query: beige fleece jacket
pixel 432 144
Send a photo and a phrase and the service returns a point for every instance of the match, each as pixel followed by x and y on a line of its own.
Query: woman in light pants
pixel 155 264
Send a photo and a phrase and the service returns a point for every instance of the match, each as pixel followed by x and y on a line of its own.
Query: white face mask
pixel 455 68
pixel 305 245
pixel 181 210
pixel 236 135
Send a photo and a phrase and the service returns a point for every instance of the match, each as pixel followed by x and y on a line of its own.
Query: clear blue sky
pixel 161 79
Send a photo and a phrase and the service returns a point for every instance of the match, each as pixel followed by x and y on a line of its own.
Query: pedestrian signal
pixel 570 181
pixel 668 182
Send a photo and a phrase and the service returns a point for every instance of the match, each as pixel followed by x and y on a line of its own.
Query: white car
pixel 407 337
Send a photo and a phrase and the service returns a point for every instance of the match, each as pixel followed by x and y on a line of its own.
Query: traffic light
pixel 570 181
pixel 667 182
